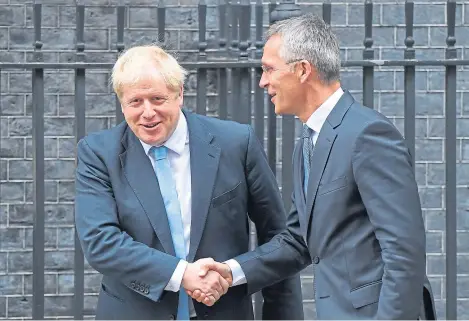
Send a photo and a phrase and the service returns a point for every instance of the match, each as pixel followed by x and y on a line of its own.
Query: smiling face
pixel 151 109
pixel 279 79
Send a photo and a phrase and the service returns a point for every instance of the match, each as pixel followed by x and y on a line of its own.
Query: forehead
pixel 148 81
pixel 272 48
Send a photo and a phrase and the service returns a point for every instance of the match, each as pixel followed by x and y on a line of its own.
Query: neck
pixel 316 95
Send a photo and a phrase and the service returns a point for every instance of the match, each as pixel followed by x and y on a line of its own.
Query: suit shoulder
pixel 105 139
pixel 362 117
pixel 225 128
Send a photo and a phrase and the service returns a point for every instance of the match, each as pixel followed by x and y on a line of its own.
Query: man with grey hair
pixel 356 211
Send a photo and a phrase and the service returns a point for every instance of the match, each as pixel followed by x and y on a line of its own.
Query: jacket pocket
pixel 226 196
pixel 331 186
pixel 366 294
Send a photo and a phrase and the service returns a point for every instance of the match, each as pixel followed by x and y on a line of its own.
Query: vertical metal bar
pixel 161 21
pixel 202 72
pixel 244 84
pixel 288 142
pixel 235 110
pixel 79 273
pixel 38 175
pixel 409 82
pixel 286 9
pixel 222 72
pixel 327 11
pixel 272 122
pixel 368 53
pixel 271 136
pixel 450 153
pixel 259 92
pixel 120 48
pixel 258 127
pixel 234 27
pixel 1 112
pixel 244 72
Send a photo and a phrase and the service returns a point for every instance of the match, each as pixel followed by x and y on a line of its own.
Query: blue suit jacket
pixel 123 228
pixel 360 223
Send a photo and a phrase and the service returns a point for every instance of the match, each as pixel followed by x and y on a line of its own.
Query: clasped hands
pixel 207 280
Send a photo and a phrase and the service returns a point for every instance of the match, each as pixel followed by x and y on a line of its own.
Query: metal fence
pixel 237 62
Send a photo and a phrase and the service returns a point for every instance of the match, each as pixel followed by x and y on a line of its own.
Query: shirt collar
pixel 319 116
pixel 178 139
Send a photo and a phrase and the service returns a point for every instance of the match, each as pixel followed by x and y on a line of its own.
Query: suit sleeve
pixel 282 300
pixel 385 179
pixel 281 253
pixel 106 246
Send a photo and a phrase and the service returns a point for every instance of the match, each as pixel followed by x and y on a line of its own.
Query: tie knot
pixel 159 152
pixel 307 132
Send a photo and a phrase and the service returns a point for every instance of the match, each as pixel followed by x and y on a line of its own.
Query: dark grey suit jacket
pixel 123 228
pixel 361 222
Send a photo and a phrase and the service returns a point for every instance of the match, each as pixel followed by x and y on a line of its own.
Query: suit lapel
pixel 204 158
pixel 321 153
pixel 142 178
pixel 323 148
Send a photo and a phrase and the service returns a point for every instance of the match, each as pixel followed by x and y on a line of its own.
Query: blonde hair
pixel 136 63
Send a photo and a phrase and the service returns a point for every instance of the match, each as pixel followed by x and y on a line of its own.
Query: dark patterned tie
pixel 307 154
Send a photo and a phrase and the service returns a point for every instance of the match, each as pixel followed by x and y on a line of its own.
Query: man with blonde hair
pixel 166 192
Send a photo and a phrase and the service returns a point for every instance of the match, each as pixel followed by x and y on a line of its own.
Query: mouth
pixel 151 125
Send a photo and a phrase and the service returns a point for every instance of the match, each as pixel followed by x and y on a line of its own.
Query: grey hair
pixel 309 37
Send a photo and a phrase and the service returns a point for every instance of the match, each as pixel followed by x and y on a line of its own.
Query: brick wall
pixel 58 35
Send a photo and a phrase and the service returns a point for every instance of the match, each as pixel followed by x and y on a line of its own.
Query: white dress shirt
pixel 179 160
pixel 315 122
pixel 317 119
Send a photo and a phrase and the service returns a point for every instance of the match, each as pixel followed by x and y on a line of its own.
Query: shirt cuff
pixel 174 284
pixel 236 272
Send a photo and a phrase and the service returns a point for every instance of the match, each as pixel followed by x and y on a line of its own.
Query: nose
pixel 264 81
pixel 148 111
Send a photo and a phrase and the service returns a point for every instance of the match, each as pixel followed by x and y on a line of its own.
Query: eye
pixel 159 99
pixel 134 102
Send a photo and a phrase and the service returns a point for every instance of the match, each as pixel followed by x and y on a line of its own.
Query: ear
pixel 181 96
pixel 304 70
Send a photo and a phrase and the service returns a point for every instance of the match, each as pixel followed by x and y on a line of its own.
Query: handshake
pixel 207 280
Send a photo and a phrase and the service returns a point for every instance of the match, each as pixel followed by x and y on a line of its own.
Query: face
pixel 280 79
pixel 151 109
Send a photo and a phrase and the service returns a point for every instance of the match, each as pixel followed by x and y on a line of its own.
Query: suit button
pixel 146 291
pixel 316 260
pixel 206 316
pixel 132 285
pixel 171 317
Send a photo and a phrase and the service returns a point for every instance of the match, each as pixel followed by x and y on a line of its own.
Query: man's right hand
pixel 203 284
pixel 211 270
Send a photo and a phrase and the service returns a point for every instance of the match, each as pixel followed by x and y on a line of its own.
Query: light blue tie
pixel 171 202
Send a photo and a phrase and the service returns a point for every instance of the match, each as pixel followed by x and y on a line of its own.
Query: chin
pixel 279 110
pixel 285 110
pixel 150 140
